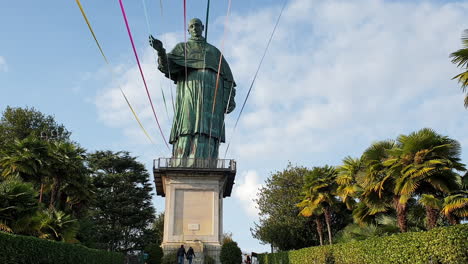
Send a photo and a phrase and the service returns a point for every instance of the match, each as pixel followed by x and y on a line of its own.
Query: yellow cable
pixel 107 62
pixel 134 114
pixel 91 29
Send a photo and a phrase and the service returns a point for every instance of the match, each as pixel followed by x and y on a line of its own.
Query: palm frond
pixel 460 57
pixel 454 203
pixel 306 212
pixel 465 38
pixel 439 184
pixel 407 187
pixel 4 227
pixel 430 201
pixel 404 199
pixel 462 212
pixel 303 203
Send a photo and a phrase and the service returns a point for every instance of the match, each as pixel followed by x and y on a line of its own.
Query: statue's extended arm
pixel 162 56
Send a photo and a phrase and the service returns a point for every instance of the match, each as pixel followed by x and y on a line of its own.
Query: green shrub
pixel 170 258
pixel 24 249
pixel 155 253
pixel 445 245
pixel 18 204
pixel 230 253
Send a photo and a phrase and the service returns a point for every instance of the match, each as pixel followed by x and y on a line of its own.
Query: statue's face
pixel 195 28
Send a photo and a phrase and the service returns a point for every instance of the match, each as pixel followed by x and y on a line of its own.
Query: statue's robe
pixel 197 130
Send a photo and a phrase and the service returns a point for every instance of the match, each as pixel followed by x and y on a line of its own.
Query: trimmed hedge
pixel 445 245
pixel 25 249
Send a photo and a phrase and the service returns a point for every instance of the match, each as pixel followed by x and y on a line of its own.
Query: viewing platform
pixel 164 167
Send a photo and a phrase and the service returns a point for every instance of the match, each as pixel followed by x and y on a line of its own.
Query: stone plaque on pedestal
pixel 194 191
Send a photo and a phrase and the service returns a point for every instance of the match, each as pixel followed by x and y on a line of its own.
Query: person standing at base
pixel 190 255
pixel 181 254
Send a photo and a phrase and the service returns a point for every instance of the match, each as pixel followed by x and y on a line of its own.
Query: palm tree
pixel 310 209
pixel 378 183
pixel 425 162
pixel 433 206
pixel 455 206
pixel 348 189
pixel 67 164
pixel 17 206
pixel 460 57
pixel 56 225
pixel 25 159
pixel 320 186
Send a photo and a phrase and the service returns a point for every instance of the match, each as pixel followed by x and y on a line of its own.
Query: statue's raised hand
pixel 155 43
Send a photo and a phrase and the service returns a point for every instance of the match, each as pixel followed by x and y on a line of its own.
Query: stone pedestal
pixel 194 203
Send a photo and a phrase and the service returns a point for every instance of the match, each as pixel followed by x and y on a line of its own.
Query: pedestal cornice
pixel 164 168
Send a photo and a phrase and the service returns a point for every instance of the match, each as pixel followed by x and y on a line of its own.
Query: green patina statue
pixel 198 125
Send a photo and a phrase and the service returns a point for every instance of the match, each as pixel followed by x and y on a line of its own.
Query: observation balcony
pixel 190 167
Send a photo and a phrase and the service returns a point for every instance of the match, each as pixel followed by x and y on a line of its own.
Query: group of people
pixel 181 254
pixel 190 255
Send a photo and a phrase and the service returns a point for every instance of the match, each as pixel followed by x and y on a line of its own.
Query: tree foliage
pixel 47 189
pixel 19 123
pixel 18 204
pixel 123 212
pixel 230 253
pixel 279 223
pixel 320 190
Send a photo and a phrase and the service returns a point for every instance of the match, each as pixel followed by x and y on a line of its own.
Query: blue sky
pixel 339 75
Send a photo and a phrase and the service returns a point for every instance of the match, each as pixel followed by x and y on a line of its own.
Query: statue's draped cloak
pixel 196 79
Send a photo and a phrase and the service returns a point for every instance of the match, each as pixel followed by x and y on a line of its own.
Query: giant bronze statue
pixel 205 93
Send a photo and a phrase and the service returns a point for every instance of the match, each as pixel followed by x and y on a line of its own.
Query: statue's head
pixel 195 27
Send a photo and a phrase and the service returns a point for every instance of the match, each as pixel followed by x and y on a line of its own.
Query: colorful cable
pixel 107 62
pixel 219 67
pixel 141 71
pixel 153 51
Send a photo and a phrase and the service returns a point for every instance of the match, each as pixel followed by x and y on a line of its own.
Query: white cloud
pixel 246 190
pixel 3 65
pixel 337 68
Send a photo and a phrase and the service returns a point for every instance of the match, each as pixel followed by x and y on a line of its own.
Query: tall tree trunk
pixel 402 211
pixel 40 192
pixel 54 193
pixel 327 214
pixel 452 219
pixel 319 225
pixel 431 217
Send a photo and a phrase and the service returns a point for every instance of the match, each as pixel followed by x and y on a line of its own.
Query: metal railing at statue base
pixel 169 167
pixel 193 163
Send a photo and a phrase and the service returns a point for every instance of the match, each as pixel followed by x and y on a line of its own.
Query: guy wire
pixel 256 73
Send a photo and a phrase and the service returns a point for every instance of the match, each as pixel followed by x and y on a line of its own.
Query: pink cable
pixel 141 71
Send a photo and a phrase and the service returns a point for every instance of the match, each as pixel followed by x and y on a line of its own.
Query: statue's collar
pixel 197 39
